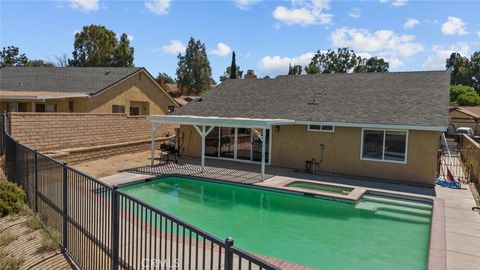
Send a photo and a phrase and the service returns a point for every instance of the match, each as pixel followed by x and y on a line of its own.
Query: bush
pixel 464 95
pixel 12 198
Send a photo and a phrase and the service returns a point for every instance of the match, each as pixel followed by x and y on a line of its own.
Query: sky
pixel 266 36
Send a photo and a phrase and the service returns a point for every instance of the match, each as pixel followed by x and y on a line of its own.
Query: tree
pixel 464 96
pixel 10 56
pixel 194 74
pixel 96 46
pixel 295 70
pixel 341 61
pixel 61 61
pixel 123 53
pixel 164 78
pixel 372 64
pixel 38 63
pixel 459 66
pixel 344 60
pixel 233 71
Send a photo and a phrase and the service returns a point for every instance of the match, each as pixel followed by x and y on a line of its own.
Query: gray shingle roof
pixel 89 80
pixel 395 98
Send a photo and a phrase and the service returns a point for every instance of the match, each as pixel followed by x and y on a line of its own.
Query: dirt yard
pixel 112 165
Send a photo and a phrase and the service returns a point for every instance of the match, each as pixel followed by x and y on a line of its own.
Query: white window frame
pixel 321 128
pixel 383 148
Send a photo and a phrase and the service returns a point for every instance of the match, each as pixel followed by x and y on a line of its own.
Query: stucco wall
pixel 292 145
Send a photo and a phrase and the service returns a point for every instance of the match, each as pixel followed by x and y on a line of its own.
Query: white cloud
pixel 245 4
pixel 159 7
pixel 354 13
pixel 382 43
pixel 304 13
pixel 399 3
pixel 174 47
pixel 84 5
pixel 411 23
pixel 441 53
pixel 275 65
pixel 130 38
pixel 454 26
pixel 395 3
pixel 221 50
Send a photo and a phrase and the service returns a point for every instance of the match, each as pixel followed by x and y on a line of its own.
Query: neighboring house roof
pixel 184 100
pixel 471 111
pixel 411 99
pixel 87 80
pixel 181 101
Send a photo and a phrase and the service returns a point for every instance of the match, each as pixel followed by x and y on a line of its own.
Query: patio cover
pixel 200 123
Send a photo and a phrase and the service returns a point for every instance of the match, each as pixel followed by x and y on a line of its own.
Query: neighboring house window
pixel 70 105
pixel 16 107
pixel 322 128
pixel 134 111
pixel 42 107
pixel 118 109
pixel 384 145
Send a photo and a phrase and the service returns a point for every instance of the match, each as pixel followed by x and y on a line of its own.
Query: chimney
pixel 250 74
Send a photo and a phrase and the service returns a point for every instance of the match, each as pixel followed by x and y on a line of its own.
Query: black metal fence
pixel 104 228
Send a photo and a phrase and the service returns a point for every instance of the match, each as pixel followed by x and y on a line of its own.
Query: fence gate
pixel 450 164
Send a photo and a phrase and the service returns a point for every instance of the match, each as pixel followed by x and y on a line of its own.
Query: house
pixel 464 117
pixel 184 100
pixel 382 126
pixel 84 90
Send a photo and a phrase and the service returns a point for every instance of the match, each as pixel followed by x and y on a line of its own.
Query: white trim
pixel 374 126
pixel 321 128
pixel 383 149
pixel 218 121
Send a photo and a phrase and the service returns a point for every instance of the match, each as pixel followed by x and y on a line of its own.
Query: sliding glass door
pixel 236 144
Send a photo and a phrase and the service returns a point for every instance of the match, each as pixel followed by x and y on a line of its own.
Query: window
pixel 384 145
pixel 134 111
pixel 70 105
pixel 42 107
pixel 16 107
pixel 118 109
pixel 321 128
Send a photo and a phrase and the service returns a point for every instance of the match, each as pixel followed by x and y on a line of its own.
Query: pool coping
pixel 437 253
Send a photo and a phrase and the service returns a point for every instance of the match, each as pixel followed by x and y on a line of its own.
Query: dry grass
pixel 6 238
pixel 10 263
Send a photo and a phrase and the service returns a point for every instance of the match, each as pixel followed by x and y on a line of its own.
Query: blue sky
pixel 266 35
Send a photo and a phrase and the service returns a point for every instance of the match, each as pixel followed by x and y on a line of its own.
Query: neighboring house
pixel 87 90
pixel 382 126
pixel 464 117
pixel 184 100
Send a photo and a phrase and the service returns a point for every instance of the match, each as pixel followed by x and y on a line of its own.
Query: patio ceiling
pixel 218 121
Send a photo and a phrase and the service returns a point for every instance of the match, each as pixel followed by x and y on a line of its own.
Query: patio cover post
pixel 263 138
pixel 152 146
pixel 203 134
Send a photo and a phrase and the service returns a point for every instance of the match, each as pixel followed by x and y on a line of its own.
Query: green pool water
pixel 375 233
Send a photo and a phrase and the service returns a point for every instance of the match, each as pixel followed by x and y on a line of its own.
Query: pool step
pixel 398 201
pixel 397 209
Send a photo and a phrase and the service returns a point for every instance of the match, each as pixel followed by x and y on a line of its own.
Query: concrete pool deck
pixel 462 224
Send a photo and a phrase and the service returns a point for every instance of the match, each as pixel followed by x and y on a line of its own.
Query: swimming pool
pixel 377 232
pixel 320 187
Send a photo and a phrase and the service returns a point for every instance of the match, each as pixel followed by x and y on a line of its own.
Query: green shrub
pixel 12 198
pixel 33 222
pixel 6 238
pixel 50 241
pixel 464 95
pixel 10 263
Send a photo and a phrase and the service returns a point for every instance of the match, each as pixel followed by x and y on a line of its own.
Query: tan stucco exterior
pixel 139 90
pixel 293 145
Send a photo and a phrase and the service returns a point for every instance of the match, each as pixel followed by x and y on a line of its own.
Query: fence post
pixel 115 227
pixel 65 208
pixel 228 253
pixel 17 166
pixel 35 182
